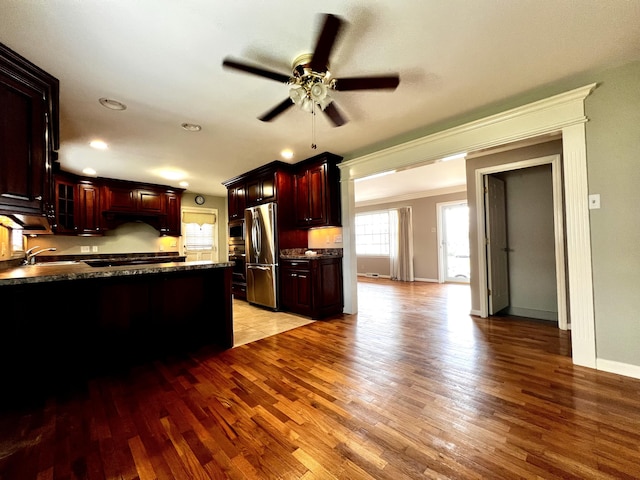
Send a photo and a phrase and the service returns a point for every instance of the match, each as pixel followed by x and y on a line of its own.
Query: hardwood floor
pixel 411 387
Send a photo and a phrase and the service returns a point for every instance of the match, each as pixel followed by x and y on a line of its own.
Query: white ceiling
pixel 163 59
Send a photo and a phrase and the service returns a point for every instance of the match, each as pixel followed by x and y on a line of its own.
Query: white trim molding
pixel 563 113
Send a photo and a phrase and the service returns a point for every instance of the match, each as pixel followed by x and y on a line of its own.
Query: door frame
pixel 562 113
pixel 215 253
pixel 440 206
pixel 558 229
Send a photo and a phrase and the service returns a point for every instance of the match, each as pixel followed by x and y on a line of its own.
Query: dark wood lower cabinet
pixel 312 287
pixel 56 333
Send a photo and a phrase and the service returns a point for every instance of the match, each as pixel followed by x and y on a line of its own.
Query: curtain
pixel 401 244
pixel 199 218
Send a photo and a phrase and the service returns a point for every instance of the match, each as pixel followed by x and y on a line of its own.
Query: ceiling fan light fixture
pixel 297 94
pixel 318 92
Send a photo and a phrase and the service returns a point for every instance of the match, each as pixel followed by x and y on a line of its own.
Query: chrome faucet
pixel 32 252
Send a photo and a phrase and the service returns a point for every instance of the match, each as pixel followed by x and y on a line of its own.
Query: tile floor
pixel 251 323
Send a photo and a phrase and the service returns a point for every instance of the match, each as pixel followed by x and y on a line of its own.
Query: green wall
pixel 613 166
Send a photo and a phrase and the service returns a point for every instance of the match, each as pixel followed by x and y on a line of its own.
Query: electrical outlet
pixel 85 249
pixel 337 239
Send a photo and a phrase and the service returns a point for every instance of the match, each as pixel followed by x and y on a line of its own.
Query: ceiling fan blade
pixel 277 110
pixel 325 42
pixel 262 72
pixel 389 82
pixel 334 115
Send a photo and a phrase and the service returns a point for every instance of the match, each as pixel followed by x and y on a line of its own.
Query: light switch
pixel 84 249
pixel 594 201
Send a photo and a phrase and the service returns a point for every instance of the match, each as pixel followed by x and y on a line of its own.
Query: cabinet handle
pixel 294 275
pixel 302 276
pixel 39 197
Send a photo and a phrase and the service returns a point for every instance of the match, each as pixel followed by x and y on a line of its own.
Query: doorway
pixel 453 242
pixel 493 259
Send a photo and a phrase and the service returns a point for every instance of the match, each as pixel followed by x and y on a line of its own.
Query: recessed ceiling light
pixel 170 173
pixel 89 171
pixel 99 144
pixel 184 184
pixel 287 154
pixel 112 104
pixel 191 127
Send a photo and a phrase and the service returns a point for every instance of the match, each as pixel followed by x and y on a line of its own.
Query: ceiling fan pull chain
pixel 313 126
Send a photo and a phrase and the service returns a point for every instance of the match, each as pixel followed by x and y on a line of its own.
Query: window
pixel 198 237
pixel 372 233
pixel 17 240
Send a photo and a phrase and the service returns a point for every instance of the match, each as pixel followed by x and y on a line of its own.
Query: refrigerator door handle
pixel 258 267
pixel 256 233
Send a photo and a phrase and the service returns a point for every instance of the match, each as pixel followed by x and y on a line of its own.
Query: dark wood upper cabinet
pixel 91 206
pixel 262 189
pixel 172 223
pixel 119 198
pixel 131 198
pixel 90 219
pixel 78 207
pixel 237 201
pixel 317 191
pixel 151 201
pixel 269 183
pixel 29 136
pixel 66 199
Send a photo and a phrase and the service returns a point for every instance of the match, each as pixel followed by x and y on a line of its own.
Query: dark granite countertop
pixel 76 270
pixel 308 257
pixel 300 253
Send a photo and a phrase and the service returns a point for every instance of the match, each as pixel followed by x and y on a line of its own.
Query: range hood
pixel 35 224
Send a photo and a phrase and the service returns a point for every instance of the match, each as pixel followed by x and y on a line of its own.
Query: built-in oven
pixel 237 256
pixel 236 233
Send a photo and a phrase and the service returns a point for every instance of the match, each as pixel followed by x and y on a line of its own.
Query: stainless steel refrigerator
pixel 262 255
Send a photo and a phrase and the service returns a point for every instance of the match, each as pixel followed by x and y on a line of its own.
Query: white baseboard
pixel 619 368
pixel 432 280
pixel 530 313
pixel 376 275
pixel 475 313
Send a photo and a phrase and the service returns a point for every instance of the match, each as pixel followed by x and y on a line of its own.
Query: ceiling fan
pixel 311 80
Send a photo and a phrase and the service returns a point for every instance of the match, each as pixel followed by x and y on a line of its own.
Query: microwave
pixel 236 232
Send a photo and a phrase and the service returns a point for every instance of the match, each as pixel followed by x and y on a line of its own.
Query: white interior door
pixel 497 248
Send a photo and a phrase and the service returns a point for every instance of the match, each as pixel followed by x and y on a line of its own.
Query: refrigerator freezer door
pixel 261 285
pixel 261 244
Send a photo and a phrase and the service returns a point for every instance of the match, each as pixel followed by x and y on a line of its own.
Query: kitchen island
pixel 64 321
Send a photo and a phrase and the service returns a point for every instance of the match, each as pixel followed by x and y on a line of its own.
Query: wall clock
pixel 199 199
